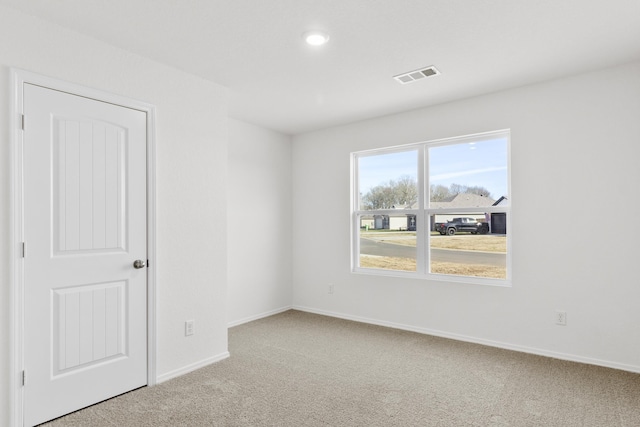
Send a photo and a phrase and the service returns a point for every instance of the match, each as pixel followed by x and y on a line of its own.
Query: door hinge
pixel 24 249
pixel 22 122
pixel 24 377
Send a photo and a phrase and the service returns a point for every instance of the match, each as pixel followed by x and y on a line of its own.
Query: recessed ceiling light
pixel 315 38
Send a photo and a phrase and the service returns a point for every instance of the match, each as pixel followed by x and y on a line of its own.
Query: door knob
pixel 139 264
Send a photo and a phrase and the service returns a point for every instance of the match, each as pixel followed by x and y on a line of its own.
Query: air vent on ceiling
pixel 416 75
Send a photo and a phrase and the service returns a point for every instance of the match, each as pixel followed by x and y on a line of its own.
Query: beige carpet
pixel 300 369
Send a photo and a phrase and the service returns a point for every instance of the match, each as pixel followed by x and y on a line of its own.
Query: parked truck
pixel 464 224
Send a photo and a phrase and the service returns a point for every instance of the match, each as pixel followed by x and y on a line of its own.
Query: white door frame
pixel 19 78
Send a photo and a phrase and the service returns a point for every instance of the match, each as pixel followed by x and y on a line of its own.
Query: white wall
pixel 575 160
pixel 259 222
pixel 191 182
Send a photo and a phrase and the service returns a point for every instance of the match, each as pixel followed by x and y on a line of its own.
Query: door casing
pixel 19 78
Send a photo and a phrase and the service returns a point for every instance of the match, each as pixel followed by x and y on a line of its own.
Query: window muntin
pixel 465 183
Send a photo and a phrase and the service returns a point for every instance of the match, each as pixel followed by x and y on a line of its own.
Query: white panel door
pixel 85 330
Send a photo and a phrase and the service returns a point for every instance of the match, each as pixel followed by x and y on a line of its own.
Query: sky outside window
pixel 482 164
pixel 380 169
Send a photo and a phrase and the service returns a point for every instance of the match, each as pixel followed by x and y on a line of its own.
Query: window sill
pixel 506 283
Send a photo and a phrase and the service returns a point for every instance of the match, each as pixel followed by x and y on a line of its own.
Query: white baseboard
pixel 490 343
pixel 192 367
pixel 258 316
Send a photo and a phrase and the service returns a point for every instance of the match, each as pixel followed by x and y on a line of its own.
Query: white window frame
pixel 423 232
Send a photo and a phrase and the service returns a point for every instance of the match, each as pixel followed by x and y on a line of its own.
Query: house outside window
pixel 436 210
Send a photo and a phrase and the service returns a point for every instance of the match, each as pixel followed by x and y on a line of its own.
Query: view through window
pixel 435 208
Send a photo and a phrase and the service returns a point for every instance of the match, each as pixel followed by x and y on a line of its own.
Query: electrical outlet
pixel 561 318
pixel 188 328
pixel 330 288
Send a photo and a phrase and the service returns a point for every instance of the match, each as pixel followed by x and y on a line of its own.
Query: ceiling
pixel 255 48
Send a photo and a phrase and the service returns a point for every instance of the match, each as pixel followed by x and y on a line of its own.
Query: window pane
pixel 469 174
pixel 469 245
pixel 388 242
pixel 461 197
pixel 388 181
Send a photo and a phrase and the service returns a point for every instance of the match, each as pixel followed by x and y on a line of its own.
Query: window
pixel 436 209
